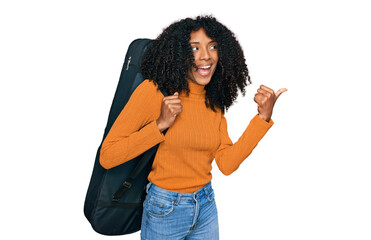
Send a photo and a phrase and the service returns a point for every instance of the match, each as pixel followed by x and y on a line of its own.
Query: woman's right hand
pixel 170 108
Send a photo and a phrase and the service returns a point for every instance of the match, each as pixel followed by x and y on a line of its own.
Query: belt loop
pixel 148 187
pixel 178 199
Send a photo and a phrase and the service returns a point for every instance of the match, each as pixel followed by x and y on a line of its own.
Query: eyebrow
pixel 199 42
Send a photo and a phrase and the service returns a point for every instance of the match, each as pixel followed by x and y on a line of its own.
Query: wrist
pixel 160 126
pixel 265 118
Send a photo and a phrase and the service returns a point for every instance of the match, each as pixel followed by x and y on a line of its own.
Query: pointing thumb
pixel 279 92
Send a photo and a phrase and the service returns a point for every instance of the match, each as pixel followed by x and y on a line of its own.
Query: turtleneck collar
pixel 196 90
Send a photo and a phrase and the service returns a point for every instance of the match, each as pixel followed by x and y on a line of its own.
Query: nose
pixel 205 54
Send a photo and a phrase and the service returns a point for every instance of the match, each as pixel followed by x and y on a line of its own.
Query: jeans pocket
pixel 158 206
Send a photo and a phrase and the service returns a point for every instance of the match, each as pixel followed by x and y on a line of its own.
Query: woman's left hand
pixel 266 98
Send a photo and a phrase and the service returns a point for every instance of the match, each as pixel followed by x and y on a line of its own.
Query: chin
pixel 203 82
pixel 200 81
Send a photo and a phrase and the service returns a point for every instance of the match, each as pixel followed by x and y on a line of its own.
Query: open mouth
pixel 203 70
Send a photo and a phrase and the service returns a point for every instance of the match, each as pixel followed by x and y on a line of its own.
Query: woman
pixel 201 65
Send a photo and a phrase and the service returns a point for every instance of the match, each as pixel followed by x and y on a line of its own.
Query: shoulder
pixel 147 87
pixel 147 91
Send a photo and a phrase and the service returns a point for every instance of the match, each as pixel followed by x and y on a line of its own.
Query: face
pixel 206 57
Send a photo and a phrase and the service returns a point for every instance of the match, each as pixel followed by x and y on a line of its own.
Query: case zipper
pixel 127 66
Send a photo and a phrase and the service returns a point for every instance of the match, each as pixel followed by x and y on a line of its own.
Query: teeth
pixel 205 67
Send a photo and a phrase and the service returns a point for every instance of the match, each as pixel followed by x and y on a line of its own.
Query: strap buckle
pixel 120 192
pixel 127 184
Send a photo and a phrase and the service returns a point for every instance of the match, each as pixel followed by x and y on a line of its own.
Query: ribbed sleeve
pixel 135 130
pixel 229 156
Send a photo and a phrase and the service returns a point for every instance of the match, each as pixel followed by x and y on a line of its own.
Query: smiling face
pixel 206 57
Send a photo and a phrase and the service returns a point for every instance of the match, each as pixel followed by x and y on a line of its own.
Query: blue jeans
pixel 172 215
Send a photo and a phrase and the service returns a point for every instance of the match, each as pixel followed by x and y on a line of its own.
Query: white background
pixel 309 177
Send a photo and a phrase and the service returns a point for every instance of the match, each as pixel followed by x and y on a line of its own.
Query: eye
pixel 194 48
pixel 214 47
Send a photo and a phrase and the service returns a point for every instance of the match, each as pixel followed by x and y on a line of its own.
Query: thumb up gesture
pixel 266 98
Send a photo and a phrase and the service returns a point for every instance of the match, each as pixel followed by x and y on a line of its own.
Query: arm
pixel 229 156
pixel 134 131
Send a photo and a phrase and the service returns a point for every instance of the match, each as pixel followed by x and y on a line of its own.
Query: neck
pixel 196 88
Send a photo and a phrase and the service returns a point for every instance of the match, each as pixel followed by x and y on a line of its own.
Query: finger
pixel 279 92
pixel 258 98
pixel 267 89
pixel 176 107
pixel 170 97
pixel 264 92
pixel 172 101
pixel 260 90
pixel 176 111
pixel 175 96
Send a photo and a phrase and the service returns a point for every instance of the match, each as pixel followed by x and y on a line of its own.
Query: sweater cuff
pixel 262 123
pixel 157 135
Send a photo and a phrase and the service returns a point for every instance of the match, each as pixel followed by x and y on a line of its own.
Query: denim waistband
pixel 206 190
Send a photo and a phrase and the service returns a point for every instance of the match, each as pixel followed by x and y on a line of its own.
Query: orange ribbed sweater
pixel 198 135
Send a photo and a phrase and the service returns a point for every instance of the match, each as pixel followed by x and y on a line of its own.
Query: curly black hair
pixel 170 55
